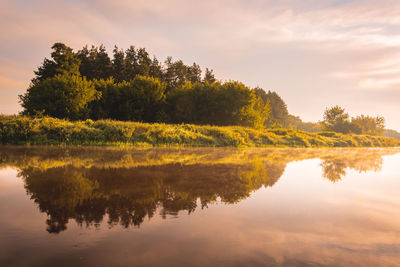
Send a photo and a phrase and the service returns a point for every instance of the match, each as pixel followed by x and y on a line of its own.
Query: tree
pixel 147 96
pixel 279 113
pixel 335 119
pixel 141 99
pixel 130 63
pixel 177 73
pixel 137 62
pixel 109 105
pixel 255 114
pixel 156 69
pixel 231 103
pixel 174 73
pixel 193 73
pixel 95 63
pixel 61 96
pixel 118 65
pixel 63 61
pixel 297 123
pixel 369 125
pixel 209 76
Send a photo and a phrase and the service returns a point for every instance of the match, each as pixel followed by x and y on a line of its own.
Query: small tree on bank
pixel 337 120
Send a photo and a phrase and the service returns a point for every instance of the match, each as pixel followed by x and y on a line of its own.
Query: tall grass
pixel 51 131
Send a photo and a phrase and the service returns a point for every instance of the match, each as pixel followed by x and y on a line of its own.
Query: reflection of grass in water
pixel 85 184
pixel 49 157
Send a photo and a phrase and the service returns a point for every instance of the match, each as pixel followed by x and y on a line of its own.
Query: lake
pixel 102 206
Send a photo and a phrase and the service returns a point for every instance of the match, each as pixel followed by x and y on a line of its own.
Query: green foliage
pixel 369 125
pixel 62 96
pixel 141 99
pixel 63 61
pixel 279 113
pixel 209 76
pixel 95 63
pixel 230 103
pixel 134 87
pixel 46 131
pixel 335 119
pixel 297 123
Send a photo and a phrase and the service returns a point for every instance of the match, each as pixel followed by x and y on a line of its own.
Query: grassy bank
pixel 51 131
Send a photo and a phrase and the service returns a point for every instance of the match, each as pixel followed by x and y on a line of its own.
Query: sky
pixel 314 53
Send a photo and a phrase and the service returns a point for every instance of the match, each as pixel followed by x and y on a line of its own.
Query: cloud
pixel 310 51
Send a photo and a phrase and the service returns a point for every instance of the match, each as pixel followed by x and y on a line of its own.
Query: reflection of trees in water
pixel 127 186
pixel 335 168
pixel 130 195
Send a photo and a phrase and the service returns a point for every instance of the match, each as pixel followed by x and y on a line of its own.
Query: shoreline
pixel 21 130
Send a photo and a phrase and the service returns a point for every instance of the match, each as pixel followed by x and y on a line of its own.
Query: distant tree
pixel 391 133
pixel 193 73
pixel 144 63
pixel 137 62
pixel 297 123
pixel 209 76
pixel 279 113
pixel 156 69
pixel 95 63
pixel 370 125
pixel 130 63
pixel 61 96
pixel 63 61
pixel 175 73
pixel 336 119
pixel 118 65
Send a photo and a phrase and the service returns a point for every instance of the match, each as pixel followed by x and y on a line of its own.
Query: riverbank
pixel 50 131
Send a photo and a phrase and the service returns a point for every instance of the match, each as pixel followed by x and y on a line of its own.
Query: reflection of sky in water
pixel 302 218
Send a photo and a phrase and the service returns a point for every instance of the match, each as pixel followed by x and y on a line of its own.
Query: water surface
pixel 199 206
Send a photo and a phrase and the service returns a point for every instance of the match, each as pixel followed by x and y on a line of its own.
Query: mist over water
pixel 199 206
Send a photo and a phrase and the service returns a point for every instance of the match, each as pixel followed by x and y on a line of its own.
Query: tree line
pixel 132 86
pixel 337 120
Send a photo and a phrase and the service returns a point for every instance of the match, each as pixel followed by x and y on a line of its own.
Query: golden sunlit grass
pixel 51 131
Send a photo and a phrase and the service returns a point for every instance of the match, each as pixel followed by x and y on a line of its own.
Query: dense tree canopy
pixel 230 103
pixel 140 99
pixel 131 85
pixel 279 112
